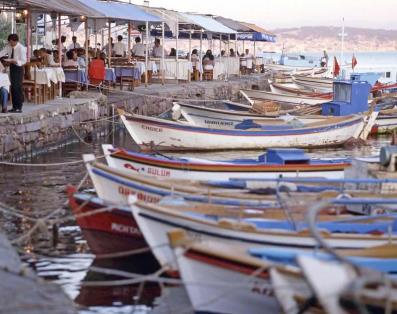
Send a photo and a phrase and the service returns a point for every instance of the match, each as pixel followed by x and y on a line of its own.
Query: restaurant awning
pixel 207 23
pixel 257 34
pixel 46 6
pixel 237 26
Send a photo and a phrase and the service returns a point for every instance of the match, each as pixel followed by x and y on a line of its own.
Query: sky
pixel 272 14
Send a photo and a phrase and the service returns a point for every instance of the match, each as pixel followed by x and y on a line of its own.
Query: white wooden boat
pixel 115 185
pixel 315 84
pixel 228 119
pixel 149 132
pixel 156 221
pixel 272 164
pixel 288 68
pixel 283 98
pixel 221 279
pixel 287 89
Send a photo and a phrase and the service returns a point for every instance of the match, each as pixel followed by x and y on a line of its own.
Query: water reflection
pixel 64 257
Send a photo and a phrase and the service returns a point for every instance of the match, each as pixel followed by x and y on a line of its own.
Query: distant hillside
pixel 326 37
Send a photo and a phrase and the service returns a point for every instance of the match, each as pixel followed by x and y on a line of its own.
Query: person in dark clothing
pixel 16 60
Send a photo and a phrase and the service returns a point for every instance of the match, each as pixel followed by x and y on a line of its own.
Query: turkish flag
pixel 354 62
pixel 336 68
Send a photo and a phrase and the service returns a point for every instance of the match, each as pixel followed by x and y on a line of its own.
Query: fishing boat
pixel 115 185
pixel 260 95
pixel 155 221
pixel 272 164
pixel 216 118
pixel 284 89
pixel 108 228
pixel 221 279
pixel 382 258
pixel 160 134
pixel 315 84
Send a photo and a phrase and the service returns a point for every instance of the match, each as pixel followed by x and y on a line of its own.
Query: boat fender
pixel 176 112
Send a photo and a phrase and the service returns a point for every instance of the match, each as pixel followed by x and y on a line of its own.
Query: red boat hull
pixel 113 231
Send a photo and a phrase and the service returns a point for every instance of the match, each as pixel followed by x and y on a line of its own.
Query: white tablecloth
pixel 45 76
pixel 184 67
pixel 224 66
pixel 152 66
pixel 259 61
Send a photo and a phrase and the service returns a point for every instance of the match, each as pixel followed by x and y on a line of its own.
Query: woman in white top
pixel 4 88
pixel 208 61
pixel 139 49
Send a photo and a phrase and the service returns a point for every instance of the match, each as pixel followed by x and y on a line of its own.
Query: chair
pixel 97 73
pixel 73 80
pixel 30 87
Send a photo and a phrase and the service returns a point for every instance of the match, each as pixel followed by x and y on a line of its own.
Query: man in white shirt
pixel 157 49
pixel 119 47
pixel 4 89
pixel 139 49
pixel 16 59
pixel 74 44
pixel 250 60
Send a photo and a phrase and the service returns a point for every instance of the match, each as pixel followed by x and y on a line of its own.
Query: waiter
pixel 16 59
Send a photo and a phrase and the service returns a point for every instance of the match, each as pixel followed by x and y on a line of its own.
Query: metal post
pixel 109 44
pixel 147 53
pixel 176 48
pixel 162 65
pixel 190 55
pixel 129 42
pixel 201 54
pixel 96 40
pixel 86 47
pixel 28 36
pixel 220 51
pixel 59 51
pixel 228 57
pixel 254 61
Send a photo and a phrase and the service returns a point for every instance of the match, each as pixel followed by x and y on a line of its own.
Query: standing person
pixel 16 59
pixel 119 47
pixel 324 60
pixel 74 44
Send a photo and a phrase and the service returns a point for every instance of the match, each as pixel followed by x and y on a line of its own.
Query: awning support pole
pixel 201 54
pixel 147 54
pixel 162 65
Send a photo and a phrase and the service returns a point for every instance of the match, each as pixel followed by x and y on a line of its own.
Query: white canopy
pixel 207 23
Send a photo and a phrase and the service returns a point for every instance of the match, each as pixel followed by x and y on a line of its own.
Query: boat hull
pixel 215 285
pixel 161 134
pixel 113 231
pixel 290 99
pixel 146 165
pixel 156 224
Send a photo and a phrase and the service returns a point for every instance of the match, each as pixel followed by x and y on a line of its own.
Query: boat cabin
pixel 285 156
pixel 349 97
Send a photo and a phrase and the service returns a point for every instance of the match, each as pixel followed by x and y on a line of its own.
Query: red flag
pixel 354 62
pixel 336 69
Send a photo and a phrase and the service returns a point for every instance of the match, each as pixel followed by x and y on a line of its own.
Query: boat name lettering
pixel 216 122
pixel 260 288
pixel 141 196
pixel 158 172
pixel 125 229
pixel 151 128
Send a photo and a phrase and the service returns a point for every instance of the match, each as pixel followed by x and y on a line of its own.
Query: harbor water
pixel 64 257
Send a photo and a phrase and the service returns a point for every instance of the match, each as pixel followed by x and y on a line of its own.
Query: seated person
pixel 81 58
pixel 71 61
pixel 195 56
pixel 4 89
pixel 232 53
pixel 172 52
pixel 208 61
pixel 47 59
pixel 139 50
pixel 119 47
pixel 157 49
